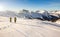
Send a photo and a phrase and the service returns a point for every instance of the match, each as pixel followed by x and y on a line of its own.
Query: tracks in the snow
pixel 13 26
pixel 4 26
pixel 25 34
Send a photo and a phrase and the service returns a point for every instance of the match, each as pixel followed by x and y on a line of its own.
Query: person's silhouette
pixel 10 19
pixel 15 19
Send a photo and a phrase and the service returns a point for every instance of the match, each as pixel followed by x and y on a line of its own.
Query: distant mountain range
pixel 8 13
pixel 39 14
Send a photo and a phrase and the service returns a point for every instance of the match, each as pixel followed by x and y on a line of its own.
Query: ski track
pixel 35 27
pixel 25 33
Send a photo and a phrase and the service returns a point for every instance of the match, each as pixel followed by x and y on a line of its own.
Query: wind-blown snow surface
pixel 28 28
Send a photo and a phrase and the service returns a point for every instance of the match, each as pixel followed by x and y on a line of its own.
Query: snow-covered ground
pixel 58 21
pixel 28 28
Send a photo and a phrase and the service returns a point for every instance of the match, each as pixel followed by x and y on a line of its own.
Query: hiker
pixel 10 19
pixel 15 19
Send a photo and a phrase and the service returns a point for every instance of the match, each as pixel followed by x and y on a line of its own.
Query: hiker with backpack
pixel 15 19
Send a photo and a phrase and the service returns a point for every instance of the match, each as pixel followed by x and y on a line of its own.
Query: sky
pixel 29 4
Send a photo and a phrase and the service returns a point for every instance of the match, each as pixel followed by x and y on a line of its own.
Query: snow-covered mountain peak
pixel 42 11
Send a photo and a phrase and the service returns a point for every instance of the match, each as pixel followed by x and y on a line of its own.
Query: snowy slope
pixel 8 13
pixel 28 28
pixel 37 14
pixel 41 14
pixel 24 14
pixel 44 12
pixel 55 13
